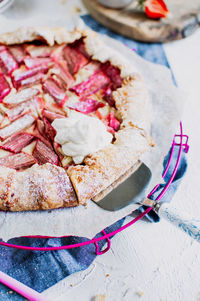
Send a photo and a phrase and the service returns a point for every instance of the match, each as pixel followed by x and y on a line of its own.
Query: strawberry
pixel 155 9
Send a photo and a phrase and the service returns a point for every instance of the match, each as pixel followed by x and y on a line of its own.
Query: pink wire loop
pixel 108 245
pixel 140 216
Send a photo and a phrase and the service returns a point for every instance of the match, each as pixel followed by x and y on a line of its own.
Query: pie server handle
pixel 21 288
pixel 181 220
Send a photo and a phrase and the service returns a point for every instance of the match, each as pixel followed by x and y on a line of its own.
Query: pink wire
pixel 168 164
pixel 176 166
pixel 21 288
pixel 81 243
pixel 95 240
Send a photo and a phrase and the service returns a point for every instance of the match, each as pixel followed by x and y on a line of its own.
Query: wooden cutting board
pixel 183 20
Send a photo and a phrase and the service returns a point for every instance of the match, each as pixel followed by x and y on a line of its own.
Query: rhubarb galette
pixel 73 118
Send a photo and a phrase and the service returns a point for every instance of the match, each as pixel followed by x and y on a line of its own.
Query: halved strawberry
pixel 51 115
pixel 18 53
pixel 113 122
pixel 17 161
pixel 16 98
pixel 4 87
pixel 43 154
pixel 16 126
pixel 75 59
pixel 8 61
pixel 94 83
pixel 155 9
pixel 16 142
pixel 87 106
pixel 58 94
pixel 113 73
pixel 36 62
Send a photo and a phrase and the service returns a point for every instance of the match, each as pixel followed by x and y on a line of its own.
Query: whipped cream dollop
pixel 81 135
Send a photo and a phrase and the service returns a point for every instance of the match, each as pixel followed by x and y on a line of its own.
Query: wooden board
pixel 183 20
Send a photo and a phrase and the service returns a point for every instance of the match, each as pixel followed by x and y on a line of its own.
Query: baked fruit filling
pixel 46 94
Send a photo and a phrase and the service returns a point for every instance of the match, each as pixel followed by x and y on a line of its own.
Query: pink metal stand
pixel 182 145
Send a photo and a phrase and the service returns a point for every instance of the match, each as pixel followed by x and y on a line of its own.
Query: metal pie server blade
pixel 132 190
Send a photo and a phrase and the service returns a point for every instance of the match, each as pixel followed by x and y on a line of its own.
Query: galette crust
pixel 48 186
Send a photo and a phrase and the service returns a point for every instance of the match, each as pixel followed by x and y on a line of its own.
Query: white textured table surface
pixel 147 262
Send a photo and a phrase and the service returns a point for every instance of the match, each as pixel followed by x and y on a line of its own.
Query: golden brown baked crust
pixel 37 188
pixel 49 186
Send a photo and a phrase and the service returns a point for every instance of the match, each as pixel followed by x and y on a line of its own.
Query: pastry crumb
pixel 10 292
pixel 63 1
pixel 99 298
pixel 77 9
pixel 107 275
pixel 140 293
pixel 131 124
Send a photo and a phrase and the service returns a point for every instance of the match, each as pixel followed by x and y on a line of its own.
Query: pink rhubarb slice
pixel 16 126
pixel 87 106
pixel 75 59
pixel 39 50
pixel 43 154
pixel 58 94
pixel 108 97
pixel 113 73
pixel 32 105
pixel 113 122
pixel 51 116
pixel 94 83
pixel 21 96
pixel 18 53
pixel 49 130
pixel 39 132
pixel 36 62
pixel 62 75
pixel 16 142
pixel 17 161
pixel 22 74
pixel 8 61
pixel 81 48
pixel 4 87
pixel 30 81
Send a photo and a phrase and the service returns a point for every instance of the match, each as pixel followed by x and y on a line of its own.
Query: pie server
pixel 133 190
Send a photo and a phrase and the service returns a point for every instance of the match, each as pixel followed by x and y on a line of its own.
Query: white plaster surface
pixel 147 262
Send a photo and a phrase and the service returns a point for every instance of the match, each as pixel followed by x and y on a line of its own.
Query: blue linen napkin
pixel 41 270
